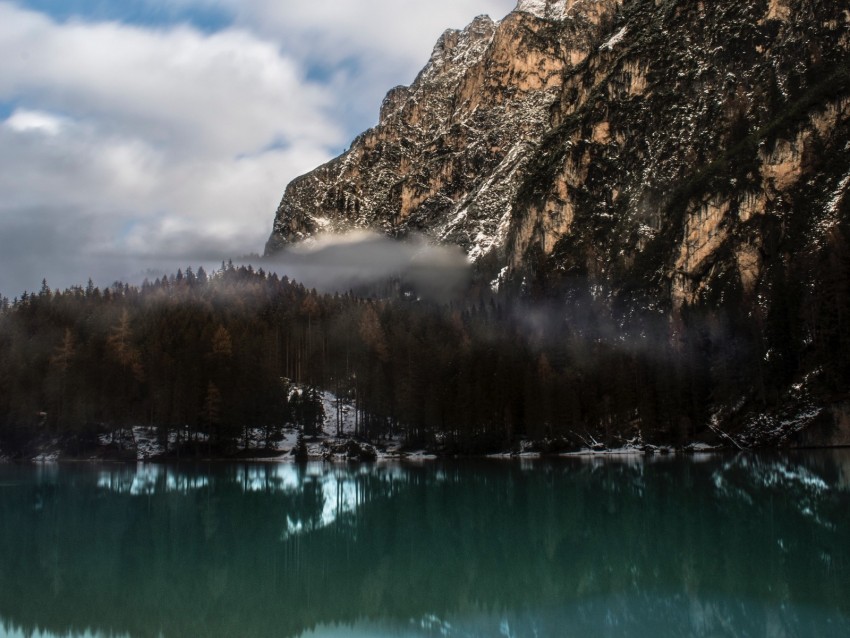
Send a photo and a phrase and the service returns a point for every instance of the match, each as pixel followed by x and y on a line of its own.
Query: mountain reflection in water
pixel 713 546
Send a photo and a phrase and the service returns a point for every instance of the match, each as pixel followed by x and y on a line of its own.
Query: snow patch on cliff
pixel 548 9
pixel 615 39
pixel 838 195
pixel 483 220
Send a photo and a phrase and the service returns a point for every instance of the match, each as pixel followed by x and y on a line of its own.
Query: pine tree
pixel 61 363
pixel 120 342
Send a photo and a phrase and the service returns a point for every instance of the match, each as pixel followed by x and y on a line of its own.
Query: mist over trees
pixel 208 356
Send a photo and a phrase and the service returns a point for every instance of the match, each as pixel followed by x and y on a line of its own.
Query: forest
pixel 564 364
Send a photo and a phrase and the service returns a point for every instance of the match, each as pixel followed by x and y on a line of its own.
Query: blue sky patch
pixel 6 109
pixel 137 12
pixel 323 73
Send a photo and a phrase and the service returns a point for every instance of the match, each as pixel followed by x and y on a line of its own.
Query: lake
pixel 737 545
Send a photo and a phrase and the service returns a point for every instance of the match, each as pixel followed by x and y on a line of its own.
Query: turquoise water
pixel 748 545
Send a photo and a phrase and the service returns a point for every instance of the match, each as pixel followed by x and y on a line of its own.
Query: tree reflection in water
pixel 718 546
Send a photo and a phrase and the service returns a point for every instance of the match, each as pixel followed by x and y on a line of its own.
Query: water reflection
pixel 722 546
pixel 15 632
pixel 147 479
pixel 338 488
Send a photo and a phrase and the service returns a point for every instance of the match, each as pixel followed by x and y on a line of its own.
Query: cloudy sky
pixel 137 134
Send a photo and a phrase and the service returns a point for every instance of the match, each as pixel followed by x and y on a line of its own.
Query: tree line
pixel 209 356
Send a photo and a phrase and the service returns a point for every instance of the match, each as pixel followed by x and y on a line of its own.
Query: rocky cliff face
pixel 677 148
pixel 452 150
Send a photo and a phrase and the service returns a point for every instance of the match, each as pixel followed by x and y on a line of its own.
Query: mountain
pixel 452 151
pixel 673 143
pixel 679 157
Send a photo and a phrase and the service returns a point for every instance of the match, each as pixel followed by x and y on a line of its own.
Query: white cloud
pixel 24 121
pixel 123 196
pixel 143 143
pixel 132 143
pixel 367 46
pixel 226 92
pixel 403 31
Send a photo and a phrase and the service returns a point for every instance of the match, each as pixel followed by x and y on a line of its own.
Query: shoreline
pixel 396 455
